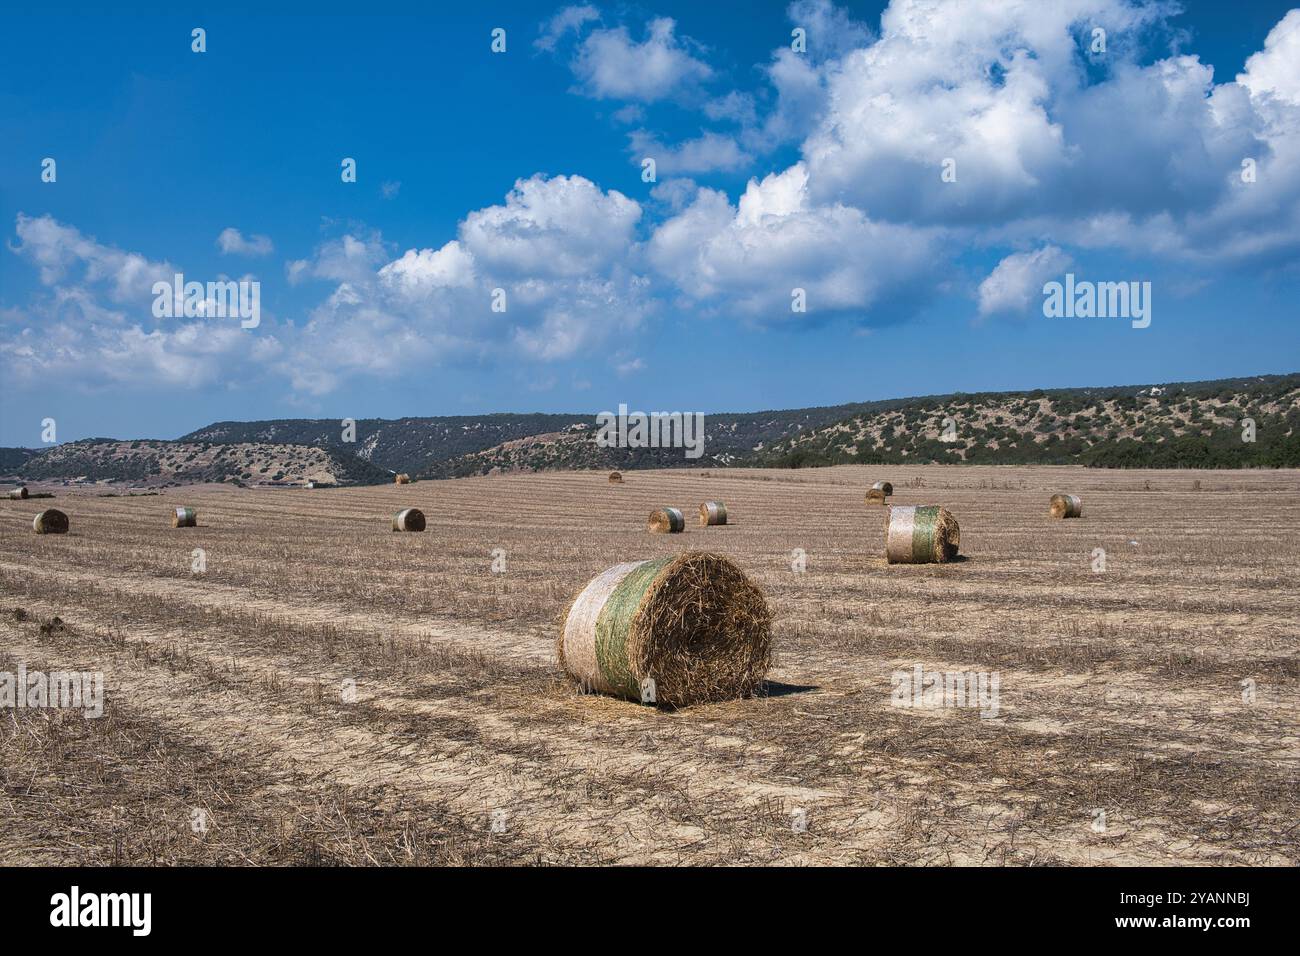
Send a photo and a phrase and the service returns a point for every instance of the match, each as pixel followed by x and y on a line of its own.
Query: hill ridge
pixel 1178 424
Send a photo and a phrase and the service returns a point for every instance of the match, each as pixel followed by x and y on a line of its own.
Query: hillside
pixel 12 460
pixel 446 446
pixel 403 444
pixel 164 462
pixel 1189 425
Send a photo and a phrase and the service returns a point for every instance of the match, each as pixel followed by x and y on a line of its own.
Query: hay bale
pixel 401 479
pixel 921 535
pixel 875 496
pixel 409 519
pixel 50 521
pixel 667 521
pixel 1066 506
pixel 693 623
pixel 615 478
pixel 185 518
pixel 713 512
pixel 883 486
pixel 19 493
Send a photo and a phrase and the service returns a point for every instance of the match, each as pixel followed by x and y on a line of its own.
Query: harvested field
pixel 327 691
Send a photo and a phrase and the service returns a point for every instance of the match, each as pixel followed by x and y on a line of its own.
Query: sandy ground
pixel 328 691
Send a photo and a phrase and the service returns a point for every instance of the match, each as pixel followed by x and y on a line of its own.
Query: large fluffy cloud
pixel 1045 140
pixel 545 275
pixel 563 226
pixel 92 324
pixel 1274 72
pixel 1041 130
pixel 752 256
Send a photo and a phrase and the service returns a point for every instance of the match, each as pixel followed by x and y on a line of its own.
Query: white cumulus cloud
pixel 610 64
pixel 1016 283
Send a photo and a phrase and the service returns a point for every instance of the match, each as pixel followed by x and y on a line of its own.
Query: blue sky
pixel 776 169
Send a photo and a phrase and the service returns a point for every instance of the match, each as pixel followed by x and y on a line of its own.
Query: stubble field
pixel 1147 712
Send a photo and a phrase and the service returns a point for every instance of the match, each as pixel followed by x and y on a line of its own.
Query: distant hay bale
pixel 921 535
pixel 875 496
pixel 19 493
pixel 615 478
pixel 50 521
pixel 884 487
pixel 1066 506
pixel 694 624
pixel 401 479
pixel 185 518
pixel 667 521
pixel 713 512
pixel 409 519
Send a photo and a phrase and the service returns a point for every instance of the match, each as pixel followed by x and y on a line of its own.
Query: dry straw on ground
pixel 50 521
pixel 615 478
pixel 921 534
pixel 693 624
pixel 409 519
pixel 463 706
pixel 401 479
pixel 185 518
pixel 667 521
pixel 713 512
pixel 19 493
pixel 1066 506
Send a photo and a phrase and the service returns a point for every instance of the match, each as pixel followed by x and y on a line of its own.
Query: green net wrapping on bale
pixel 50 521
pixel 693 624
pixel 921 534
pixel 713 512
pixel 1066 506
pixel 667 521
pixel 409 519
pixel 185 518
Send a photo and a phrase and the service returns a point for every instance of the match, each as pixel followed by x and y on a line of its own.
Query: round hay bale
pixel 615 478
pixel 883 486
pixel 185 518
pixel 409 519
pixel 693 623
pixel 19 493
pixel 667 521
pixel 921 534
pixel 713 512
pixel 875 496
pixel 50 521
pixel 401 479
pixel 1066 506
